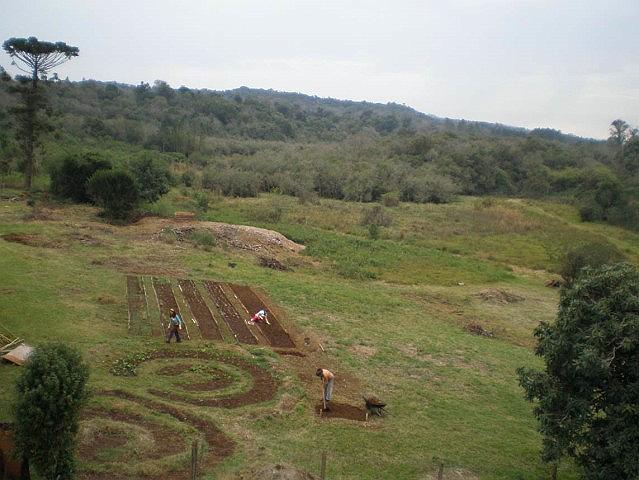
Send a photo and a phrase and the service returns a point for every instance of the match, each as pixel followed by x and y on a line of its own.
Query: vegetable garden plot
pixel 199 309
pixel 234 320
pixel 275 333
pixel 166 301
pixel 136 301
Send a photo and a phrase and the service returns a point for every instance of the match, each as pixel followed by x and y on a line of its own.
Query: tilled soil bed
pixel 276 335
pixel 199 309
pixel 229 314
pixel 341 410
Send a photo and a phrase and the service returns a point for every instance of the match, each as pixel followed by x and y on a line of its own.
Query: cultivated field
pixel 434 317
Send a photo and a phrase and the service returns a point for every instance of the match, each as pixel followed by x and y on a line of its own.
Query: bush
pixel 201 202
pixel 152 177
pixel 232 183
pixel 373 231
pixel 69 180
pixel 115 191
pixel 590 213
pixel 203 238
pixel 51 392
pixel 390 199
pixel 376 216
pixel 594 254
pixel 188 178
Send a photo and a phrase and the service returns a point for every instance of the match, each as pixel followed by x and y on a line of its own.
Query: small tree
pixel 587 396
pixel 69 180
pixel 36 59
pixel 115 191
pixel 51 392
pixel 152 177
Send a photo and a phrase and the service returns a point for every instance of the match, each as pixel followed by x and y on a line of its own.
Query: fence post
pixel 323 466
pixel 440 471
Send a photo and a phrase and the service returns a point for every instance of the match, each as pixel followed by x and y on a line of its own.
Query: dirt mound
pixel 498 295
pixel 244 237
pixel 276 472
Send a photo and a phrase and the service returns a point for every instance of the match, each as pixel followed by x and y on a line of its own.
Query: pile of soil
pixel 272 263
pixel 244 237
pixel 498 295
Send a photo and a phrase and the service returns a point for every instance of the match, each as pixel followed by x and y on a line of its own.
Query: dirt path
pixel 275 333
pixel 166 301
pixel 204 317
pixel 235 322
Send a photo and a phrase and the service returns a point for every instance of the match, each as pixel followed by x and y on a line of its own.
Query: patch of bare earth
pixel 275 472
pixel 499 295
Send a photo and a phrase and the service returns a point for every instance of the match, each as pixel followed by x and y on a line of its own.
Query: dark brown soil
pixel 340 410
pixel 166 300
pixel 264 386
pixel 136 304
pixel 234 320
pixel 274 332
pixel 219 445
pixel 199 309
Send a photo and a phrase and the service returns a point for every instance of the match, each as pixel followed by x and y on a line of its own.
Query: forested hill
pixel 244 141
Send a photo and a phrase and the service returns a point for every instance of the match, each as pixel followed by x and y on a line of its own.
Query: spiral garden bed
pixel 117 441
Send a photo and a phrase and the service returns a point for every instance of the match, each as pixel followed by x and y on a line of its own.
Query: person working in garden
pixel 327 378
pixel 175 325
pixel 261 316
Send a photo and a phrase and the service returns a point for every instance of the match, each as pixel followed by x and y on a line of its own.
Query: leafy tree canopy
pixel 587 397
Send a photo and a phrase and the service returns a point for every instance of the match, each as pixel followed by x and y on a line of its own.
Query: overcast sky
pixel 566 64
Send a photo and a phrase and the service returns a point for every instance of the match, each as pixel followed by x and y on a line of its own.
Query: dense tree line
pixel 245 141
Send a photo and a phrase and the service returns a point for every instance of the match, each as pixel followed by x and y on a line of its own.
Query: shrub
pixel 152 177
pixel 594 254
pixel 115 191
pixel 51 392
pixel 188 178
pixel 590 213
pixel 376 216
pixel 203 238
pixel 201 202
pixel 373 231
pixel 69 180
pixel 390 199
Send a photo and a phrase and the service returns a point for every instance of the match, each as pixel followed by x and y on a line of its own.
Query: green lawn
pixel 389 312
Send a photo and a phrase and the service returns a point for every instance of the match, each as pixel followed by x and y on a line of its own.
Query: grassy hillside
pixel 391 313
